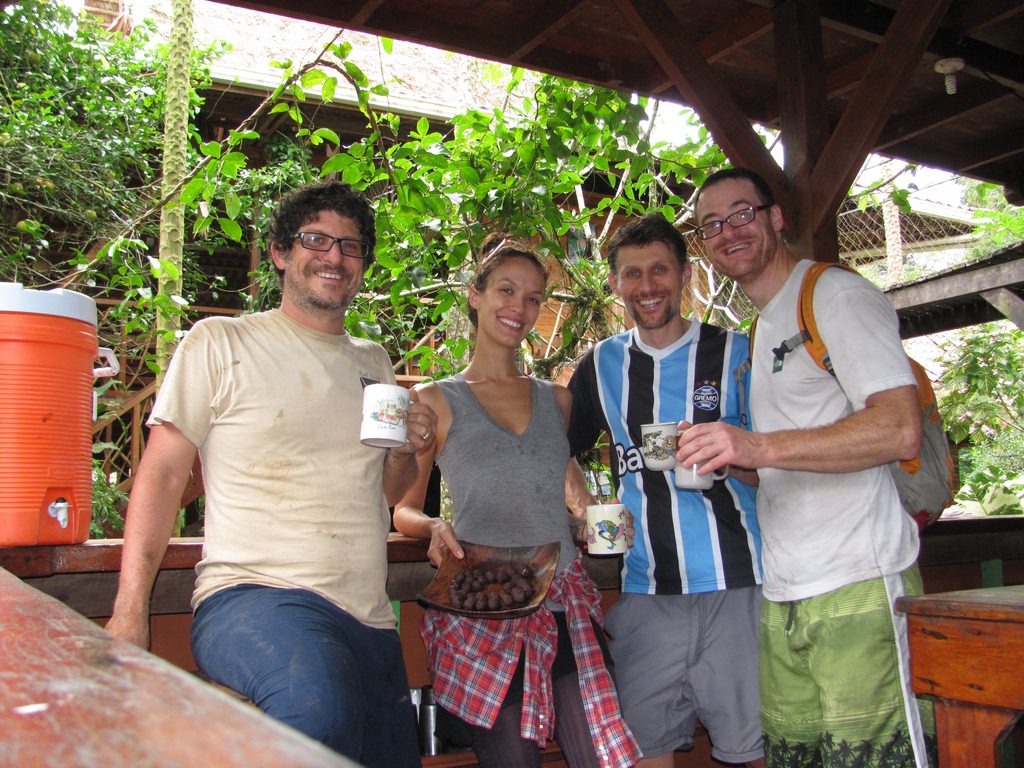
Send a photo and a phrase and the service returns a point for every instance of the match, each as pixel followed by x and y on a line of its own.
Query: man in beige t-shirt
pixel 290 602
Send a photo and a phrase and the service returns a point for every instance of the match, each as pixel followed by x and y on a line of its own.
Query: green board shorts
pixel 835 679
pixel 680 658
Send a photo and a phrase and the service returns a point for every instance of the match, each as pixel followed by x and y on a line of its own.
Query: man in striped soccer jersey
pixel 684 635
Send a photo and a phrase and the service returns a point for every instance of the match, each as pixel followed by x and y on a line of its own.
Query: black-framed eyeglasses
pixel 735 219
pixel 317 241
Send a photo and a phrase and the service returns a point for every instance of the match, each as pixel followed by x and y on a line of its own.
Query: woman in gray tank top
pixel 502 450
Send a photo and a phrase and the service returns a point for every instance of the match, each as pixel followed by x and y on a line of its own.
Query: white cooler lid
pixel 14 297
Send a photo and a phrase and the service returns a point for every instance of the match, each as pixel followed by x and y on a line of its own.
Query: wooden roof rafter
pixel 871 105
pixel 693 78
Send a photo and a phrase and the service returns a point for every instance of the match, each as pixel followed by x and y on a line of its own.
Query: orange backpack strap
pixel 805 313
pixel 807 328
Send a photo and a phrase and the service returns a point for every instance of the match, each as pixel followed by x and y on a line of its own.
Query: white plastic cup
pixel 658 445
pixel 606 529
pixel 385 407
pixel 687 477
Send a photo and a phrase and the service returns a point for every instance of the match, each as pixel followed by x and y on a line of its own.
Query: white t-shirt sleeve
pixel 859 327
pixel 188 395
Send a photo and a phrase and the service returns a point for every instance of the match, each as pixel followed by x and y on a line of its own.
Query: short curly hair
pixel 302 205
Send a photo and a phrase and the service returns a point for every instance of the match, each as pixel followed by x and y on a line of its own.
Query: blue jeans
pixel 306 662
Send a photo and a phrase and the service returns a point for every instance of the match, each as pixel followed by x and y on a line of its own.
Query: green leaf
pixel 170 269
pixel 232 205
pixel 210 149
pixel 239 136
pixel 327 133
pixel 356 74
pixel 527 152
pixel 329 88
pixel 232 163
pixel 192 190
pixel 230 228
pixel 201 224
pixel 352 175
pixel 335 164
pixel 312 78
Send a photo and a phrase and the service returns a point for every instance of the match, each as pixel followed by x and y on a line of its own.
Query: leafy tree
pixel 81 118
pixel 983 406
pixel 528 170
pixel 531 169
pixel 1000 223
pixel 79 136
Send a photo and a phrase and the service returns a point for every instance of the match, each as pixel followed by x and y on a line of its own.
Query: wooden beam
pixel 977 15
pixel 864 117
pixel 926 155
pixel 993 149
pixel 554 16
pixel 365 11
pixel 869 21
pixel 945 109
pixel 800 71
pixel 671 47
pixel 838 81
pixel 737 34
pixel 958 286
pixel 730 37
pixel 845 78
pixel 1007 303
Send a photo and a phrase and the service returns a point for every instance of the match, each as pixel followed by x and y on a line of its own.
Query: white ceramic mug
pixel 687 477
pixel 385 407
pixel 658 445
pixel 606 529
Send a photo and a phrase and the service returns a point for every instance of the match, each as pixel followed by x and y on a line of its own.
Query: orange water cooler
pixel 47 351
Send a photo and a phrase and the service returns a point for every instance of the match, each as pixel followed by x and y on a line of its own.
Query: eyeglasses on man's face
pixel 317 241
pixel 736 219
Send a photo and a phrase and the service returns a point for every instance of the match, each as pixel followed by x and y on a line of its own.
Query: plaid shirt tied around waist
pixel 472 662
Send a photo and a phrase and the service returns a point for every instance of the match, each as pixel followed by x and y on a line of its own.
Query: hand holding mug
pixel 691 477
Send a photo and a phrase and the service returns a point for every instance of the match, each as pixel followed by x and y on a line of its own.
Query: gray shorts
pixel 680 658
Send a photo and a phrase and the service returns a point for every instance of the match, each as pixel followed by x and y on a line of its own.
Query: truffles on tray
pixel 490 587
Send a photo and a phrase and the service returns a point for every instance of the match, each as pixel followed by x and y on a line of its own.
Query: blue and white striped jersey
pixel 686 541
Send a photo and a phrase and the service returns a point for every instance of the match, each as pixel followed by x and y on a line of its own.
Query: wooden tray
pixel 542 558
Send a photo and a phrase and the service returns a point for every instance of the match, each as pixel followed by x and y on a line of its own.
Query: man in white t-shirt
pixel 838 549
pixel 290 603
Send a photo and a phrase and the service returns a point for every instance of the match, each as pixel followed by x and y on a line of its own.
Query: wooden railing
pixel 121 428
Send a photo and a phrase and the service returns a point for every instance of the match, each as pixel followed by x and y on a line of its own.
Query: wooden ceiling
pixel 795 65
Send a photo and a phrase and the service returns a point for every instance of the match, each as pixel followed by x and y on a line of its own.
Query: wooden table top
pixel 74 696
pixel 987 604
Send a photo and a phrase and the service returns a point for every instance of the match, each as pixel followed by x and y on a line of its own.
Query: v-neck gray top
pixel 508 489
